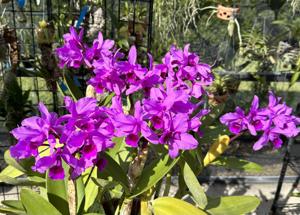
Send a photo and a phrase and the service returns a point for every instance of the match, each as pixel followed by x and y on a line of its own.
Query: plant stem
pixel 235 137
pixel 135 170
pixel 72 197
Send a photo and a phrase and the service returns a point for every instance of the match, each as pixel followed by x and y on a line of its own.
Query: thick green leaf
pixel 119 143
pixel 80 194
pixel 153 173
pixel 294 78
pixel 11 172
pixel 232 205
pixel 194 159
pixel 12 162
pixel 74 90
pixel 194 186
pixel 173 206
pixel 35 204
pixel 23 165
pixel 6 210
pixel 20 181
pixel 91 190
pixel 16 204
pixel 57 194
pixel 114 170
pixel 236 163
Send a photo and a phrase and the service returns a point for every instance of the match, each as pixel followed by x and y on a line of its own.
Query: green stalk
pixel 72 197
pixel 134 172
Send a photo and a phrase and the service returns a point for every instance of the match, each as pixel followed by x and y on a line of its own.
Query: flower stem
pixel 72 197
pixel 135 170
pixel 235 137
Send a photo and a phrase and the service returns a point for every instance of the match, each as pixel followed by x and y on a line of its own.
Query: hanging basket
pixel 227 13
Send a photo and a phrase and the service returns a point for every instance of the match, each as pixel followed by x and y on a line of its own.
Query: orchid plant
pixel 120 155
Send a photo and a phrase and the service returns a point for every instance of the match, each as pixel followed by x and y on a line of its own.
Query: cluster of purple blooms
pixel 164 115
pixel 112 73
pixel 76 138
pixel 273 121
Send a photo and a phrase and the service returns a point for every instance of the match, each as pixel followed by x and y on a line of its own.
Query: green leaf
pixel 11 172
pixel 215 112
pixel 153 173
pixel 80 194
pixel 74 90
pixel 20 181
pixel 91 190
pixel 114 170
pixel 194 159
pixel 294 78
pixel 173 206
pixel 107 99
pixel 34 204
pixel 194 186
pixel 6 210
pixel 23 165
pixel 233 205
pixel 236 163
pixel 95 214
pixel 119 144
pixel 211 133
pixel 12 162
pixel 57 194
pixel 16 204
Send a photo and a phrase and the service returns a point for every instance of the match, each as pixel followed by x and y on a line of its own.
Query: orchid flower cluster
pixel 165 113
pixel 114 74
pixel 273 121
pixel 76 138
pixel 166 107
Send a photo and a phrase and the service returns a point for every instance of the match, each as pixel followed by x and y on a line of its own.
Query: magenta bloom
pixel 71 53
pixel 274 120
pixel 176 135
pixel 77 138
pixel 133 126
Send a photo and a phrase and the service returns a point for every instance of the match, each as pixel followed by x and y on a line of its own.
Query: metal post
pixel 286 160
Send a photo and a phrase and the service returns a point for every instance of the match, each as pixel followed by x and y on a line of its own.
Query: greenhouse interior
pixel 149 107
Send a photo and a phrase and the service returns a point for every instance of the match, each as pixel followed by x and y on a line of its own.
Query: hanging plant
pixel 48 66
pixel 10 37
pixel 3 44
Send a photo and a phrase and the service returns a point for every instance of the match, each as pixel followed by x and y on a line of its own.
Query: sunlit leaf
pixel 236 163
pixel 194 186
pixel 35 204
pixel 153 173
pixel 173 206
pixel 233 205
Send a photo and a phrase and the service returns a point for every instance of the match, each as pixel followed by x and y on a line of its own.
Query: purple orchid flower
pixel 34 131
pixel 235 121
pixel 176 135
pixel 71 53
pixel 133 126
pixel 275 120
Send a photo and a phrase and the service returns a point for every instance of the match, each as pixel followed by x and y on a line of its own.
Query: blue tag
pixel 21 3
pixel 62 85
pixel 76 81
pixel 83 12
